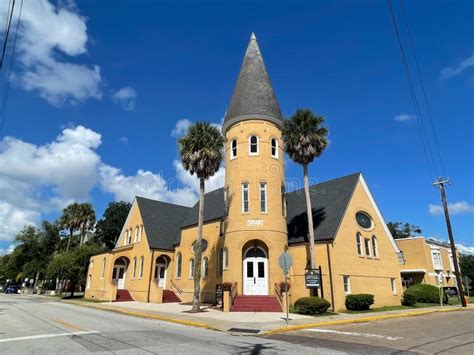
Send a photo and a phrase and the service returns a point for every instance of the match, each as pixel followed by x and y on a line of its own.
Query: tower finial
pixel 252 36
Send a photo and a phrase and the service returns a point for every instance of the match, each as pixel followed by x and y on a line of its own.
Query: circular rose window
pixel 364 220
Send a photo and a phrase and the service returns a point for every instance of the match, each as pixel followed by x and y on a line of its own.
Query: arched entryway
pixel 120 272
pixel 161 270
pixel 255 268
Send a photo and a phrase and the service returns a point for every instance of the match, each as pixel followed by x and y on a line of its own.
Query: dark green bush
pixel 311 305
pixel 425 293
pixel 408 299
pixel 359 302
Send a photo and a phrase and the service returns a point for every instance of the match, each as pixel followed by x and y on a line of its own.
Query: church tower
pixel 255 232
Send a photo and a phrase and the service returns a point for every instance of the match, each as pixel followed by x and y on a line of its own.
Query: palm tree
pixel 201 151
pixel 86 219
pixel 305 138
pixel 71 220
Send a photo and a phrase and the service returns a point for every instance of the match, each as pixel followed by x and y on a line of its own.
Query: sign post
pixel 286 262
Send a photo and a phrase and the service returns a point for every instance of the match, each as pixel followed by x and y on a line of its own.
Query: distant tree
pixel 87 220
pixel 77 217
pixel 72 265
pixel 201 151
pixel 401 230
pixel 107 230
pixel 466 263
pixel 70 220
pixel 305 139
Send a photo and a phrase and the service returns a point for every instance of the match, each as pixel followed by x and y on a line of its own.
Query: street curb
pixel 290 328
pixel 148 315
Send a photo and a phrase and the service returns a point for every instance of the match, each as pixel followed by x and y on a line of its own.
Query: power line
pixel 412 44
pixel 7 83
pixel 424 137
pixel 7 32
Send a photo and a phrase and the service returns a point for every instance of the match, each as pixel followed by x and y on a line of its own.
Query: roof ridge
pixel 160 201
pixel 327 181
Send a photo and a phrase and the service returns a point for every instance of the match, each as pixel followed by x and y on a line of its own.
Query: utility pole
pixel 440 184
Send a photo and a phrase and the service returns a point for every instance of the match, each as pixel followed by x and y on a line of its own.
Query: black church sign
pixel 219 295
pixel 312 278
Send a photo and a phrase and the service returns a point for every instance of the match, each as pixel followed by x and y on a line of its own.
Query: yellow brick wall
pixel 211 233
pixel 271 225
pixel 417 253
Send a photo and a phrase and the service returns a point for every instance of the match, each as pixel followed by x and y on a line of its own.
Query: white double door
pixel 255 276
pixel 119 276
pixel 161 275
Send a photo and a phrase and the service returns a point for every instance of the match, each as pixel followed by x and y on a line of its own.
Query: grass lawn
pixel 394 308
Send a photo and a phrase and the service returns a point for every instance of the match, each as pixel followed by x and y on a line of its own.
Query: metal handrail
pixel 173 284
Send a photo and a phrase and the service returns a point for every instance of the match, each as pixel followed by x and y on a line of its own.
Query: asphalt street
pixel 31 325
pixel 437 333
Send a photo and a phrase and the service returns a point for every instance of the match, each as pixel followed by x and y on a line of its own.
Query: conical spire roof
pixel 253 96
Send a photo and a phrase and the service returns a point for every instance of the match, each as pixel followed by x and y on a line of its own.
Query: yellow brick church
pixel 249 223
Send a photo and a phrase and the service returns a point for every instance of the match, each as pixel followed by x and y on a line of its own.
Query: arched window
pixel 226 258
pixel 178 265
pixel 134 267
pixel 125 239
pixel 374 246
pixel 140 271
pixel 253 145
pixel 141 233
pixel 274 148
pixel 205 267
pixel 129 241
pixel 191 268
pixel 233 149
pixel 359 244
pixel 136 234
pixel 92 264
pixel 102 274
pixel 88 285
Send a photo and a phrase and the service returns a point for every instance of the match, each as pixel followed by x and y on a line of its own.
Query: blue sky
pixel 96 92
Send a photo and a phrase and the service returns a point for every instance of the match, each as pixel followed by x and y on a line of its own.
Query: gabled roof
pixel 214 208
pixel 162 222
pixel 253 96
pixel 329 201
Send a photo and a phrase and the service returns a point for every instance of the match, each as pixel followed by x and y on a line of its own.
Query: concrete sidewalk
pixel 249 322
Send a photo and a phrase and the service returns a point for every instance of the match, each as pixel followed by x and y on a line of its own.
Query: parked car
pixel 12 289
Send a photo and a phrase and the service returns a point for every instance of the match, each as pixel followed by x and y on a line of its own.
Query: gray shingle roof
pixel 214 208
pixel 253 96
pixel 162 222
pixel 329 201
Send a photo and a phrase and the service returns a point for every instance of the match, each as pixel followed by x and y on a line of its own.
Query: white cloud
pixel 463 249
pixel 126 97
pixel 124 140
pixel 39 179
pixel 181 127
pixel 454 208
pixel 36 179
pixel 404 117
pixel 182 189
pixel 465 64
pixel 48 35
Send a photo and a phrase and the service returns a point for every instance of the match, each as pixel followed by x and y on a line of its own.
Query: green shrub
pixel 425 293
pixel 408 299
pixel 360 302
pixel 311 305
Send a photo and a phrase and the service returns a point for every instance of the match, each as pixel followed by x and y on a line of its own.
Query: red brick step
pixel 170 297
pixel 123 296
pixel 256 304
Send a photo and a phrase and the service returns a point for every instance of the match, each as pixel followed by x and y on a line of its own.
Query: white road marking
pixel 364 335
pixel 42 336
